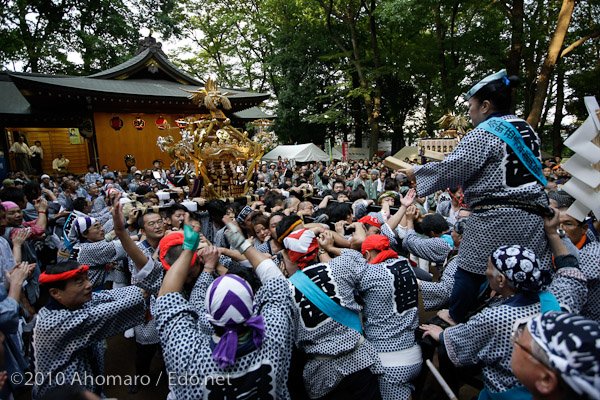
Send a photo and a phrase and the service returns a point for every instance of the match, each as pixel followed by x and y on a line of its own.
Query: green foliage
pixel 39 35
pixel 321 59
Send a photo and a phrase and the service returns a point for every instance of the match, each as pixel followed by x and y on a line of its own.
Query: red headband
pixel 367 219
pixel 375 242
pixel 172 239
pixel 380 243
pixel 63 276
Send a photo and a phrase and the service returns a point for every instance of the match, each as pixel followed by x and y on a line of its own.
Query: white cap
pixel 45 176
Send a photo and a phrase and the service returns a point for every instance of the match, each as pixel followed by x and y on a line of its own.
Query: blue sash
pixel 512 137
pixel 516 393
pixel 548 302
pixel 324 303
pixel 68 244
pixel 448 239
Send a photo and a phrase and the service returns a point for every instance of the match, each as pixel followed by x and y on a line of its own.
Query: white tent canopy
pixel 299 153
pixel 337 155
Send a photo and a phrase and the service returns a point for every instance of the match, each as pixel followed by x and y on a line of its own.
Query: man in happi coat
pixel 67 338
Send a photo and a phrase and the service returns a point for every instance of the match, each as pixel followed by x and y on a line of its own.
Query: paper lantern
pixel 116 123
pixel 161 123
pixel 139 123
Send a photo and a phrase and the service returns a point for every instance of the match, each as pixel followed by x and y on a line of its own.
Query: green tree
pixel 39 35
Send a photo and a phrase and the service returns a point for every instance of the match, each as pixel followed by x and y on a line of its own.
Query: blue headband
pixel 490 78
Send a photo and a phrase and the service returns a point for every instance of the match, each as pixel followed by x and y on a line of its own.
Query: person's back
pixel 501 190
pixel 391 298
pixel 439 243
pixel 261 373
pixel 252 348
pixel 335 350
pixel 514 273
pixel 589 254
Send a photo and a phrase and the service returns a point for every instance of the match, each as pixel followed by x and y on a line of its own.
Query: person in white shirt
pixel 37 155
pixel 22 155
pixel 60 164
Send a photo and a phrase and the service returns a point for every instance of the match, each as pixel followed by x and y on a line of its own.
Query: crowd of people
pixel 311 287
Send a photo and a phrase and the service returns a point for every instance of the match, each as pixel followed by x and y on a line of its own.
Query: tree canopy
pixel 351 70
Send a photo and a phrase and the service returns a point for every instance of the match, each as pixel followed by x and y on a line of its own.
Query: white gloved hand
pixel 236 239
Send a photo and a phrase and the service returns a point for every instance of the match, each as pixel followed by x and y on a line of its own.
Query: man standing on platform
pixel 22 155
pixel 37 155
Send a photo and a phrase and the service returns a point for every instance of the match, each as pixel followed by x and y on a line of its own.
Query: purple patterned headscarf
pixel 230 305
pixel 79 225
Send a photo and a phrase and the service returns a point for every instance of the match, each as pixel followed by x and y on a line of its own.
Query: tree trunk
pixel 428 117
pixel 557 143
pixel 370 104
pixel 356 59
pixel 440 36
pixel 356 112
pixel 374 138
pixel 398 140
pixel 513 64
pixel 548 105
pixel 564 18
pixel 517 16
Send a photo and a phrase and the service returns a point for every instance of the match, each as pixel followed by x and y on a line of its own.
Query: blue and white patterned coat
pixel 320 335
pixel 487 168
pixel 589 256
pixel 436 295
pixel 485 338
pixel 96 255
pixel 390 293
pixel 68 344
pixel 187 349
pixel 432 249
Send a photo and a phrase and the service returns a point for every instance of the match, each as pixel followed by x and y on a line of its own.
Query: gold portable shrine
pixel 213 151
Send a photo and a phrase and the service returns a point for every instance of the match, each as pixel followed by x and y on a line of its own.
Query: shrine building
pixel 101 118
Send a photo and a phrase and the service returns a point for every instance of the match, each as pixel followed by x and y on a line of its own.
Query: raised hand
pixel 409 198
pixel 117 214
pixel 20 237
pixel 41 205
pixel 412 213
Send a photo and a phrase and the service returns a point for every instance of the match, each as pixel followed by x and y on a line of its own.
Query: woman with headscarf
pixel 515 274
pixel 89 247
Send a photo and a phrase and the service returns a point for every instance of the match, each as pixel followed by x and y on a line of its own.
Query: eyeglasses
pixel 158 222
pixel 514 340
